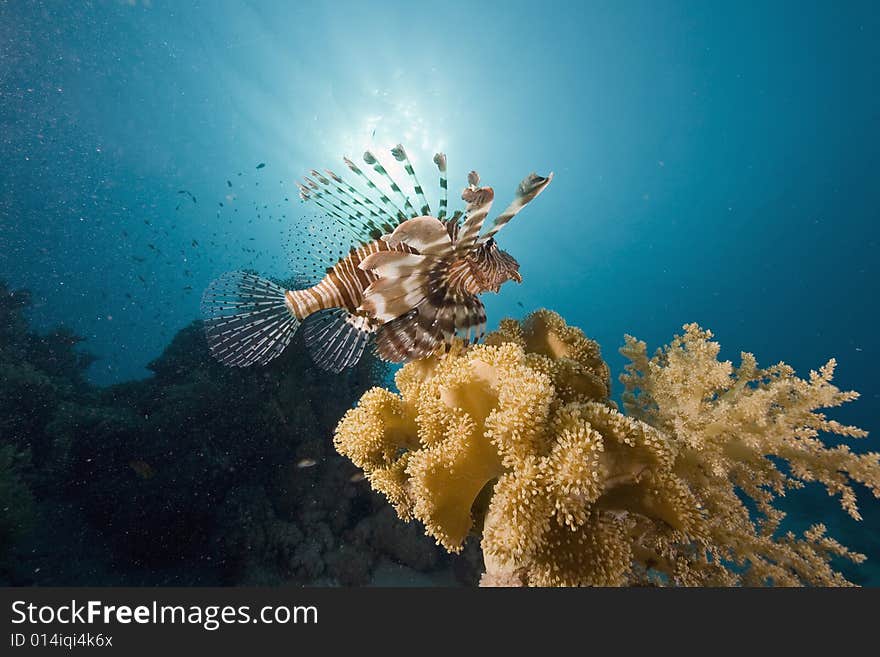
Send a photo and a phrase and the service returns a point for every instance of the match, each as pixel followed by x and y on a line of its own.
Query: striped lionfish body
pixel 412 283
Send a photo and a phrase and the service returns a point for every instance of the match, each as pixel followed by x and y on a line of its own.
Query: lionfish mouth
pixel 516 276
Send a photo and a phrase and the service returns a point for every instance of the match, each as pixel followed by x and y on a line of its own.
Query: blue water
pixel 715 162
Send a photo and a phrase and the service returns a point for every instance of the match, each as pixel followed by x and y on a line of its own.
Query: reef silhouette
pixel 518 442
pixel 196 475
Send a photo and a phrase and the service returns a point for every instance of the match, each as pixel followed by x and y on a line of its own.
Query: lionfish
pixel 412 281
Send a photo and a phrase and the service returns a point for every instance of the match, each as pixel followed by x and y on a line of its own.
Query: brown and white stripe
pixel 527 191
pixel 344 284
pixel 479 202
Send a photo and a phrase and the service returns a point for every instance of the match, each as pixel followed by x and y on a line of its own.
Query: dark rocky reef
pixel 198 474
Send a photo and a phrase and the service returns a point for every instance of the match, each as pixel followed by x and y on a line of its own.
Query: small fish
pixel 261 165
pixel 229 183
pixel 306 463
pixel 143 469
pixel 188 193
pixel 411 282
pixel 195 242
pixel 356 477
pixel 138 258
pixel 520 304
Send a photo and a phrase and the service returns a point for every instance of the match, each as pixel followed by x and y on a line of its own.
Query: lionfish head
pixel 494 267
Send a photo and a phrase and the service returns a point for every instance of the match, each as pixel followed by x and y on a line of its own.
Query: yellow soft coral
pixel 517 440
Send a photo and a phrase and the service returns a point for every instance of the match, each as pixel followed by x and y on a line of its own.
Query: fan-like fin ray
pixel 421 331
pixel 246 319
pixel 470 318
pixel 407 338
pixel 335 338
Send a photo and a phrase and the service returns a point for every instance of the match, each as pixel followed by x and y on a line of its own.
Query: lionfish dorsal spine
pixel 363 200
pixel 387 202
pixel 400 154
pixel 352 199
pixel 343 203
pixel 440 161
pixel 316 197
pixel 372 160
pixel 329 204
pixel 343 190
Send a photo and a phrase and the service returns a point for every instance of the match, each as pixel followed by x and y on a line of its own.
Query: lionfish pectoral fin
pixel 393 264
pixel 422 331
pixel 469 318
pixel 479 202
pixel 532 185
pixel 409 337
pixel 527 191
pixel 336 338
pixel 427 235
pixel 247 320
pixel 387 299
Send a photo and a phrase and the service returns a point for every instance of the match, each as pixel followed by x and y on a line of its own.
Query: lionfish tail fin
pixel 247 319
pixel 528 190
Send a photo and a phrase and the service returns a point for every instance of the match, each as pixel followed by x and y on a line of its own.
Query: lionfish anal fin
pixel 336 338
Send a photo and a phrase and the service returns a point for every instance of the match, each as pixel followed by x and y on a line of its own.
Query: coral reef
pixel 517 441
pixel 196 475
